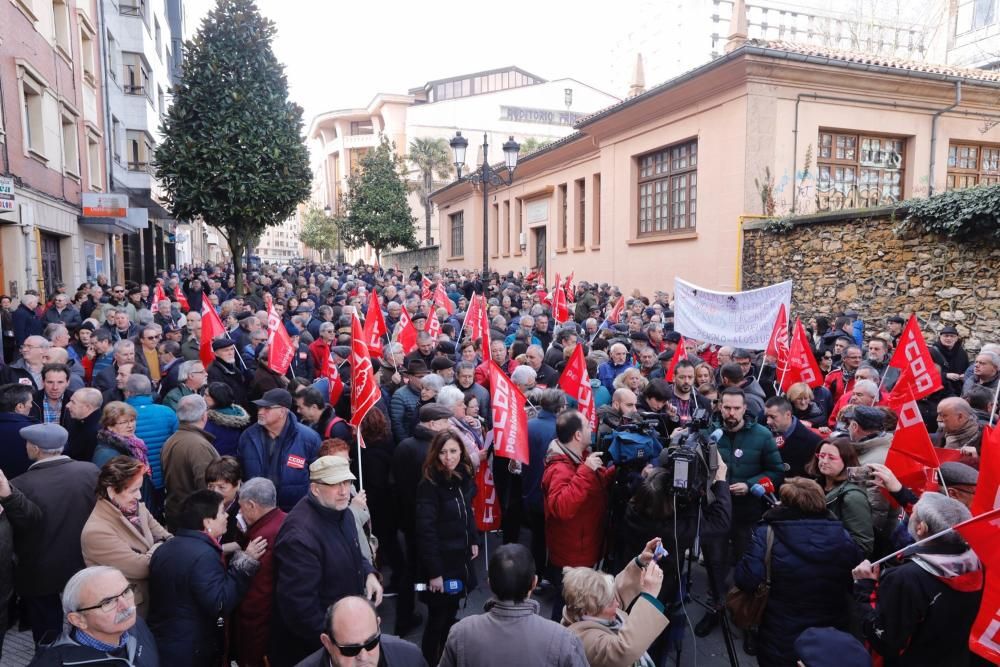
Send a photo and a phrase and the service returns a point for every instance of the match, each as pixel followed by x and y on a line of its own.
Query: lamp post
pixel 486 175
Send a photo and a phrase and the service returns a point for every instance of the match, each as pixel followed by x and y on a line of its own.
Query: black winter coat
pixel 811 563
pixel 48 552
pixel 317 561
pixel 446 527
pixel 407 466
pixel 13 455
pixel 232 376
pixel 190 587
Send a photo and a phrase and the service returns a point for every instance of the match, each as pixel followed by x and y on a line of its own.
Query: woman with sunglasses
pixel 848 501
pixel 447 539
pixel 192 590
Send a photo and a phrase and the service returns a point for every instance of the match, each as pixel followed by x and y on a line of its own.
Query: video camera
pixel 692 458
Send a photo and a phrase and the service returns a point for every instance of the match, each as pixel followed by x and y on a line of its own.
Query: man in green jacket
pixel 750 452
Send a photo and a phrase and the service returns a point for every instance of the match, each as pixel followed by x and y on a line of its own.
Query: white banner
pixel 739 319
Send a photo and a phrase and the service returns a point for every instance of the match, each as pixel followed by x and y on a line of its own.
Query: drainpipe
pixel 934 126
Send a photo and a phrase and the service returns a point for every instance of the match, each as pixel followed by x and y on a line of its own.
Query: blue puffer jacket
pixel 295 449
pixel 811 563
pixel 154 424
pixel 541 432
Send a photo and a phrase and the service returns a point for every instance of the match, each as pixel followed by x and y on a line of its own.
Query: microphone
pixel 767 486
pixel 715 436
pixel 758 491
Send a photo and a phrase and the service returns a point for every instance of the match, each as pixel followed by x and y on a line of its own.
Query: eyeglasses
pixel 156 337
pixel 351 650
pixel 828 457
pixel 108 605
pixel 125 422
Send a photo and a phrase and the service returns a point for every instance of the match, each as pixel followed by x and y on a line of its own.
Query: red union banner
pixel 211 328
pixel 486 504
pixel 433 326
pixel 777 346
pixel 912 354
pixel 375 326
pixel 364 389
pixel 575 382
pixel 982 534
pixel 279 343
pixel 510 421
pixel 407 336
pixel 802 366
pixel 441 299
pixel 679 353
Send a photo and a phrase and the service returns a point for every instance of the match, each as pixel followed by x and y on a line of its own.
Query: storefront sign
pixel 104 205
pixel 537 211
pixel 7 201
pixel 541 116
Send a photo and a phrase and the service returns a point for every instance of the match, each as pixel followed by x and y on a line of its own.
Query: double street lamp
pixel 486 175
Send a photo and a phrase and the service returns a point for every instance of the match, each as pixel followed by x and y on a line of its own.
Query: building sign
pixel 7 202
pixel 104 205
pixel 541 116
pixel 537 211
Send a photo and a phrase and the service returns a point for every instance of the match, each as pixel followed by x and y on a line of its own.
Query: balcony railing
pixel 134 90
pixel 140 166
pixel 126 9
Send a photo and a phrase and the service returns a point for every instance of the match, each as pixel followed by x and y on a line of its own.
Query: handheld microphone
pixel 767 484
pixel 767 488
pixel 758 492
pixel 715 436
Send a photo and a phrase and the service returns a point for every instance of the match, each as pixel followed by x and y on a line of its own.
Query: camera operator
pixel 622 411
pixel 678 401
pixel 653 511
pixel 751 454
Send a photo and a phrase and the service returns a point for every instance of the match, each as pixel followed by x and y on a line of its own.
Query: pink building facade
pixel 659 185
pixel 51 138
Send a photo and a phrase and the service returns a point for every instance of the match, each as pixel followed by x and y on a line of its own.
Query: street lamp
pixel 486 175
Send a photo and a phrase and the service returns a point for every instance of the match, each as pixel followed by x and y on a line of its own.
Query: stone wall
pixel 428 259
pixel 840 262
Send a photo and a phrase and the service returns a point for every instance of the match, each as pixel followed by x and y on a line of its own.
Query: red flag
pixel 181 299
pixel 988 487
pixel 158 295
pixel 279 343
pixel 911 450
pixel 364 389
pixel 486 504
pixel 616 312
pixel 433 326
pixel 568 288
pixel 407 336
pixel 211 328
pixel 425 289
pixel 983 535
pixel 336 383
pixel 777 345
pixel 441 299
pixel 679 353
pixel 912 353
pixel 510 421
pixel 576 383
pixel 802 366
pixel 375 326
pixel 984 639
pixel 474 319
pixel 560 311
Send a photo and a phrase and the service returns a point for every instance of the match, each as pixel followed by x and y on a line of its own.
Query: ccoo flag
pixel 912 353
pixel 279 343
pixel 364 389
pixel 510 421
pixel 375 326
pixel 802 366
pixel 575 382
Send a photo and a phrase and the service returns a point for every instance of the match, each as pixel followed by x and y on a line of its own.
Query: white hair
pixel 260 490
pixel 71 592
pixel 191 408
pixel 450 396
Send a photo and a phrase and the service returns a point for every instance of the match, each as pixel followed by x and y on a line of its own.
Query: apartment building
pixel 141 42
pixel 52 134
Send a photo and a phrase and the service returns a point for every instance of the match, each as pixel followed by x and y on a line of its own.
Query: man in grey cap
pixel 49 554
pixel 961 480
pixel 279 448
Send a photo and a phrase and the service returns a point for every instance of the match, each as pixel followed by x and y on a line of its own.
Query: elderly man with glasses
pixel 98 604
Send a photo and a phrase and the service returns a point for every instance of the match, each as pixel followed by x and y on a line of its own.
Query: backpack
pixel 626 447
pixel 329 427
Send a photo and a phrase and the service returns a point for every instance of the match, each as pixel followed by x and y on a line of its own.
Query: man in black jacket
pixel 318 537
pixel 353 621
pixel 83 421
pixel 49 553
pixel 796 442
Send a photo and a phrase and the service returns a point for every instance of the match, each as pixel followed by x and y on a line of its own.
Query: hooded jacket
pixel 811 563
pixel 576 507
pixel 922 611
pixel 226 424
pixel 295 448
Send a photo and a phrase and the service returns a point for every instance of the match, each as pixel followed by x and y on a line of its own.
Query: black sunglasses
pixel 351 650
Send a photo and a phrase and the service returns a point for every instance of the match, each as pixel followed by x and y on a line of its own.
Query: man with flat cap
pixel 317 561
pixel 228 370
pixel 406 400
pixel 48 552
pixel 279 448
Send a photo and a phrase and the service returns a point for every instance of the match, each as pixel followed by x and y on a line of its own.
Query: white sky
pixel 339 54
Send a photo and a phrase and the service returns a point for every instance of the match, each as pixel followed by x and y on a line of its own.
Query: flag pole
pixel 940 476
pixel 361 483
pixel 993 412
pixel 910 546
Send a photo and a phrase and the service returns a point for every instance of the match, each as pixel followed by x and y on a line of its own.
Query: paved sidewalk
pixel 18 649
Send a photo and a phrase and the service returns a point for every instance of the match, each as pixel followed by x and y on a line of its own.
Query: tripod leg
pixel 727 634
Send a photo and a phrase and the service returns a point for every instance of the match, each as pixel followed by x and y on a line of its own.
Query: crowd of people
pixel 170 504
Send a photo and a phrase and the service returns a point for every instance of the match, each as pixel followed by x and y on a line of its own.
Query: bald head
pixel 351 621
pixel 954 414
pixel 624 401
pixel 84 402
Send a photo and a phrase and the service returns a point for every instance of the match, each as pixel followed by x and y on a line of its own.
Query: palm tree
pixel 433 158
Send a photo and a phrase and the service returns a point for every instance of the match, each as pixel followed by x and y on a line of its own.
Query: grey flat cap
pixel 955 472
pixel 50 437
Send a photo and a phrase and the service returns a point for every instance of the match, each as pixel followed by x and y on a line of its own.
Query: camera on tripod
pixel 692 458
